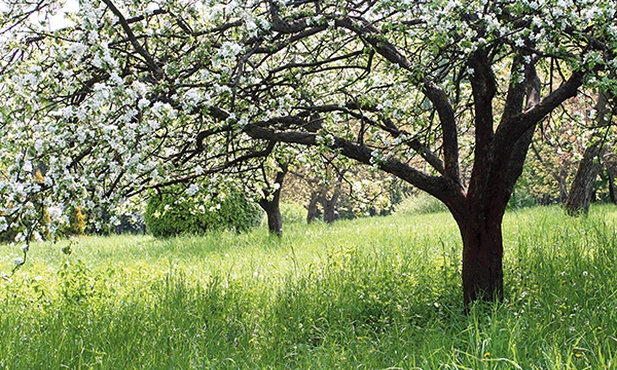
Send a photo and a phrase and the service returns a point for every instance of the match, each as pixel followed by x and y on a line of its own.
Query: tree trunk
pixel 612 186
pixel 330 204
pixel 482 260
pixel 581 191
pixel 497 167
pixel 312 210
pixel 329 207
pixel 273 213
pixel 271 204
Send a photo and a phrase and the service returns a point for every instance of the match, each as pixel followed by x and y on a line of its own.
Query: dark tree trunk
pixel 273 213
pixel 482 260
pixel 612 187
pixel 329 207
pixel 498 164
pixel 312 210
pixel 271 205
pixel 330 204
pixel 581 191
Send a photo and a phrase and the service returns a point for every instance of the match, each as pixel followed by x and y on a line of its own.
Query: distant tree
pixel 581 190
pixel 270 201
pixel 137 95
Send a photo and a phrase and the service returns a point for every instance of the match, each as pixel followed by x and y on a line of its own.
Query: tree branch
pixel 152 65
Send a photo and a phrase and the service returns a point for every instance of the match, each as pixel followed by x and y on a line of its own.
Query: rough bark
pixel 329 207
pixel 581 190
pixel 273 214
pixel 482 259
pixel 330 204
pixel 271 204
pixel 312 210
pixel 611 170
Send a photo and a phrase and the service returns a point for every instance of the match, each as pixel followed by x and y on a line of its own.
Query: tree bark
pixel 271 205
pixel 330 204
pixel 273 213
pixel 611 171
pixel 581 190
pixel 482 260
pixel 329 207
pixel 312 210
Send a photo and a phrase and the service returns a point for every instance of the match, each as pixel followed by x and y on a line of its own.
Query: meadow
pixel 373 293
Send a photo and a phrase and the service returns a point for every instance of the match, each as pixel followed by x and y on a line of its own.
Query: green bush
pixel 293 213
pixel 77 222
pixel 420 204
pixel 174 211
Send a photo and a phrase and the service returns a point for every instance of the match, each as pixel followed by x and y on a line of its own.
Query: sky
pixel 58 21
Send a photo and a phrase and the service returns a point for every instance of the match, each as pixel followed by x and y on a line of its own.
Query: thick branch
pixel 448 127
pixel 447 191
pixel 520 123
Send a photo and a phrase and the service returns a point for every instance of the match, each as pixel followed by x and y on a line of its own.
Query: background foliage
pixel 173 211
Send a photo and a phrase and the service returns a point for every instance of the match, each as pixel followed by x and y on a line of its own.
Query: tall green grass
pixel 372 293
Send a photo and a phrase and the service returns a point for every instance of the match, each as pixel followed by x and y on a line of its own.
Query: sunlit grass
pixel 380 292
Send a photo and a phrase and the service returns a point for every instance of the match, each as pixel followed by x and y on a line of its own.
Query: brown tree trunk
pixel 581 191
pixel 271 205
pixel 273 213
pixel 330 204
pixel 612 186
pixel 482 260
pixel 312 210
pixel 329 207
pixel 499 163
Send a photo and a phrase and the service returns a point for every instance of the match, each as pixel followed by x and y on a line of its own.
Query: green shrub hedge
pixel 174 211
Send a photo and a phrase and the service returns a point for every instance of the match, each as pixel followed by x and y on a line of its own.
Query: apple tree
pixel 135 95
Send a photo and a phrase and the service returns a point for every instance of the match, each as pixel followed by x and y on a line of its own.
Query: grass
pixel 375 293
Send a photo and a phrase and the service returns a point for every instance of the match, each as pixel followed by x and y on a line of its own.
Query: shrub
pixel 77 222
pixel 293 213
pixel 173 212
pixel 419 204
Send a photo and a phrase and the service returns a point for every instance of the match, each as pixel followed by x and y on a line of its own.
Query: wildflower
pixel 487 354
pixel 18 261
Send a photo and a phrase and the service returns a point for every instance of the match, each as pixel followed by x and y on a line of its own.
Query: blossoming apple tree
pixel 138 95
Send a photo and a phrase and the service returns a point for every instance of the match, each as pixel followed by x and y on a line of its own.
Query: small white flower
pixel 192 190
pixel 18 261
pixel 27 166
pixel 142 103
pixel 77 49
pixel 519 43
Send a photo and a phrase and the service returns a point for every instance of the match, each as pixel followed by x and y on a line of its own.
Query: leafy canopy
pixel 138 95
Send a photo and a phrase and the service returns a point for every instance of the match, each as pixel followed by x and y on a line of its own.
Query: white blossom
pixel 192 189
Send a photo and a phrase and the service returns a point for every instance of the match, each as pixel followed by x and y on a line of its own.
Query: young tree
pixel 136 96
